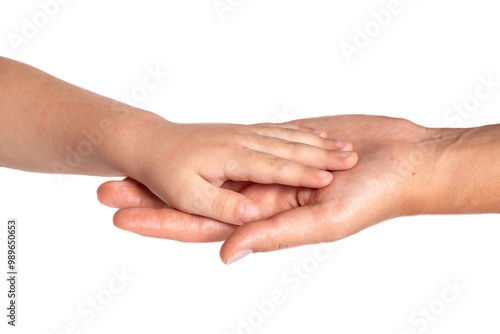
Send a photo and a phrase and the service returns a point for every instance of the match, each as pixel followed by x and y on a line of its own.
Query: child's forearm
pixel 49 125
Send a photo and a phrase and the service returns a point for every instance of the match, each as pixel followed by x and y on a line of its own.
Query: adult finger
pixel 267 168
pixel 171 224
pixel 127 193
pixel 295 227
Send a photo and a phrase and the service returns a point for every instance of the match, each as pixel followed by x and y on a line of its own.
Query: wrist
pixel 440 186
pixel 125 131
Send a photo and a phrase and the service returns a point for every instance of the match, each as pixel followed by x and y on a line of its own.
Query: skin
pixel 49 125
pixel 403 169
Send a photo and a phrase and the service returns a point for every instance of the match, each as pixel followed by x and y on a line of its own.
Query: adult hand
pixel 402 170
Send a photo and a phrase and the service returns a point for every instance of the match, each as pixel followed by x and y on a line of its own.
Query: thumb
pixel 217 203
pixel 291 228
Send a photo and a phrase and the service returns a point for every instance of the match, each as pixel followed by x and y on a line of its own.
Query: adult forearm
pixel 465 174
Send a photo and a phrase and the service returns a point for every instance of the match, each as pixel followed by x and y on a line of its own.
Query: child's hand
pixel 49 125
pixel 186 164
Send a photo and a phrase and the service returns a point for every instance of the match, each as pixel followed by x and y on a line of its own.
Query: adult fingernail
pixel 324 174
pixel 345 154
pixel 248 212
pixel 341 143
pixel 238 256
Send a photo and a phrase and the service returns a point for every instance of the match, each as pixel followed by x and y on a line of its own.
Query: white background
pixel 264 61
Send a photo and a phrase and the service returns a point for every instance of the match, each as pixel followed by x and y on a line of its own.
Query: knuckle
pixel 247 156
pixel 276 163
pixel 221 205
pixel 199 231
pixel 204 231
pixel 293 146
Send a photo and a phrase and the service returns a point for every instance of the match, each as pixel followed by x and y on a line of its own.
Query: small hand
pixel 186 164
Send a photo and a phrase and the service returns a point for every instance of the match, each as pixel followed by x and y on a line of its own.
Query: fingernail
pixel 345 154
pixel 324 174
pixel 248 212
pixel 341 143
pixel 238 256
pixel 321 133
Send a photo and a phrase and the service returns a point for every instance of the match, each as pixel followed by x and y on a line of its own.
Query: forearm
pixel 465 174
pixel 49 125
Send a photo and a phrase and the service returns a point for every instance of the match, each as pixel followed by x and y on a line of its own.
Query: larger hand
pixel 396 160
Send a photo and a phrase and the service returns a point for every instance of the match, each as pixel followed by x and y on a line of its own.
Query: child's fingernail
pixel 324 174
pixel 345 154
pixel 238 256
pixel 341 143
pixel 248 212
pixel 321 133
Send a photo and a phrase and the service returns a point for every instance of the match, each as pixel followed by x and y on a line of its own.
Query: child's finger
pixel 267 168
pixel 294 135
pixel 171 224
pixel 200 197
pixel 306 154
pixel 318 132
